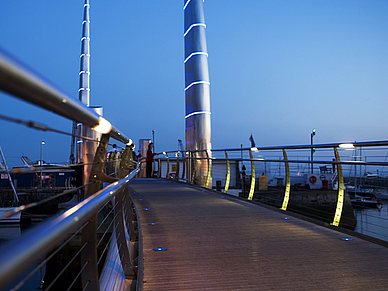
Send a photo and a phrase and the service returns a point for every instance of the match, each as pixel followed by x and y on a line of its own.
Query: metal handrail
pixel 294 147
pixel 17 258
pixel 24 83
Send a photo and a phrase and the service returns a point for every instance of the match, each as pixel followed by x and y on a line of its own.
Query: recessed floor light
pixel 346 238
pixel 159 249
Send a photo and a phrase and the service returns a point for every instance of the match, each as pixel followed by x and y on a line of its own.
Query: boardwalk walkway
pixel 216 243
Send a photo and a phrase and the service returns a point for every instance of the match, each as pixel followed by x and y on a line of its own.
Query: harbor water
pixel 373 222
pixel 9 232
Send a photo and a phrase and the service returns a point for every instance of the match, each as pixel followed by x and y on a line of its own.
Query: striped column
pixel 84 74
pixel 197 91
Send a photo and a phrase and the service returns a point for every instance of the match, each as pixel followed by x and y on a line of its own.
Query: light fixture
pixel 196 113
pixel 103 126
pixel 196 83
pixel 346 145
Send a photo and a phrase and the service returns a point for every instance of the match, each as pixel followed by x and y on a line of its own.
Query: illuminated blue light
pixel 83 89
pixel 197 112
pixel 248 205
pixel 146 209
pixel 85 21
pixel 87 5
pixel 80 141
pixel 159 249
pixel 85 38
pixel 84 55
pixel 84 72
pixel 194 25
pixel 196 83
pixel 346 239
pixel 194 54
pixel 187 3
pixel 153 223
pixel 286 218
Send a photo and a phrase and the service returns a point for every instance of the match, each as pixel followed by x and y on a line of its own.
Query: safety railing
pixel 338 186
pixel 80 248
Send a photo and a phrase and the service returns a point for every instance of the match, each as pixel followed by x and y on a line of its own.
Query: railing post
pixel 192 167
pixel 253 179
pixel 89 233
pixel 288 182
pixel 168 166
pixel 159 167
pixel 177 166
pixel 183 164
pixel 340 200
pixel 227 173
pixel 126 164
pixel 121 240
pixel 209 170
pixel 129 216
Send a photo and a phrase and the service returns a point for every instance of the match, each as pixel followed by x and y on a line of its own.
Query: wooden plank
pixel 215 243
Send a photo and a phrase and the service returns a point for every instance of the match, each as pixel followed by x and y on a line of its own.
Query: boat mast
pixel 16 198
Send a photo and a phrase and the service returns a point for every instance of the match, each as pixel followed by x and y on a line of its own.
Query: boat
pixel 7 216
pixel 362 202
pixel 363 197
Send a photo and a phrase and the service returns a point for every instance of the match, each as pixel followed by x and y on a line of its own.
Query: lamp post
pixel 41 162
pixel 312 150
pixel 153 138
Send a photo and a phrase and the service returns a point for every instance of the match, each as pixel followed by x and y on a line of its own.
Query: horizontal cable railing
pixel 77 248
pixel 313 186
pixel 22 82
pixel 20 256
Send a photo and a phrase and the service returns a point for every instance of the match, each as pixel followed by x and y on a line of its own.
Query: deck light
pixel 346 239
pixel 103 126
pixel 346 146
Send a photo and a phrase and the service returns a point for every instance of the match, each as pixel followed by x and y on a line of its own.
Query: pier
pixel 246 218
pixel 211 241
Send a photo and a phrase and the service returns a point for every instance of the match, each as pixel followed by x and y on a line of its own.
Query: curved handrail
pixel 19 256
pixel 24 83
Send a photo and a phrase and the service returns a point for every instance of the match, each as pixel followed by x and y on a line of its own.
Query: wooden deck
pixel 218 242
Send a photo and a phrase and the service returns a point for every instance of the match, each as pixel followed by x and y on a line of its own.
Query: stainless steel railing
pixel 87 223
pixel 24 83
pixel 20 256
pixel 340 164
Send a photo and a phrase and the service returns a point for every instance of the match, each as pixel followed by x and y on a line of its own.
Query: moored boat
pixel 7 216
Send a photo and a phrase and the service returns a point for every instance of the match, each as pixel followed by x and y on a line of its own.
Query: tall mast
pixel 84 74
pixel 197 87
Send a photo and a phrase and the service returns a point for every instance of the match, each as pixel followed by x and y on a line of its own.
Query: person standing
pixel 149 160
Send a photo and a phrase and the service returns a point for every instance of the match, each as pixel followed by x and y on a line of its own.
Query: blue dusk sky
pixel 277 69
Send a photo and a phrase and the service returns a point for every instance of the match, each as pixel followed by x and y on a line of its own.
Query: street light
pixel 41 162
pixel 153 138
pixel 312 150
